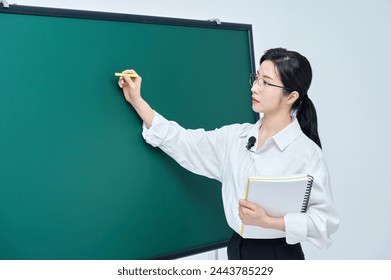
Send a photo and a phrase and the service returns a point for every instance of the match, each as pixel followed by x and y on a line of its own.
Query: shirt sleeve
pixel 197 150
pixel 321 219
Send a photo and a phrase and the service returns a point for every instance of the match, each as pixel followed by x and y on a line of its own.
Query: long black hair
pixel 295 73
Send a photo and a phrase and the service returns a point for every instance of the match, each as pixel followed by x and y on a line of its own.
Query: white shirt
pixel 221 154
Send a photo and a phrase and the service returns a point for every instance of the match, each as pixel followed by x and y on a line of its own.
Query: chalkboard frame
pixel 109 16
pixel 84 14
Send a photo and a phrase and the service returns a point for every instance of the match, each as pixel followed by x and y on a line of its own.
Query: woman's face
pixel 267 95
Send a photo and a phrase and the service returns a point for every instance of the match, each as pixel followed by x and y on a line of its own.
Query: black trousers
pixel 262 249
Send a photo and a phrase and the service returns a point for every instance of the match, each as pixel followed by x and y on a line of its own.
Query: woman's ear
pixel 292 97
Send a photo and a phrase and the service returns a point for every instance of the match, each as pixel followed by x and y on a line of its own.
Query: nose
pixel 253 89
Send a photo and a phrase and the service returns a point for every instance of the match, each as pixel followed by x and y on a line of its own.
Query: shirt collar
pixel 288 134
pixel 282 138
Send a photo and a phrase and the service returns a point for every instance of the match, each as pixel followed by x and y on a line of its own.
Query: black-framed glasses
pixel 262 83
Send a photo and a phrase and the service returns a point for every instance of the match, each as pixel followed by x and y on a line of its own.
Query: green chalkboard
pixel 77 181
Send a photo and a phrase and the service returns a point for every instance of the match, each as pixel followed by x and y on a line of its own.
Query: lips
pixel 255 101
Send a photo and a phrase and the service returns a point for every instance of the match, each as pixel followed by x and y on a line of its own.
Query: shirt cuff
pixel 157 132
pixel 295 227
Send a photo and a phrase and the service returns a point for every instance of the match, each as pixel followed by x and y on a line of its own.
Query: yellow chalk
pixel 132 75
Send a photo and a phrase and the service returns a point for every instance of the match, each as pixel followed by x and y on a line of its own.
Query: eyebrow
pixel 265 76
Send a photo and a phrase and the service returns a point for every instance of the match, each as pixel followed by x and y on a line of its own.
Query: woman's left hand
pixel 253 214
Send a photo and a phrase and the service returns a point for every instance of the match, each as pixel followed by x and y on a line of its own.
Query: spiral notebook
pixel 278 196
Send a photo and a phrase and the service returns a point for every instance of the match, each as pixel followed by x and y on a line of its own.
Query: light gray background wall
pixel 348 44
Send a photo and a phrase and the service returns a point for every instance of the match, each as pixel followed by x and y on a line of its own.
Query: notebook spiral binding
pixel 307 194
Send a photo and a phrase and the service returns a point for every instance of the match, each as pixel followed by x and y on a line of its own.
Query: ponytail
pixel 308 120
pixel 296 75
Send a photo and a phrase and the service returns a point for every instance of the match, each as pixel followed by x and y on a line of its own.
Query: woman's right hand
pixel 132 93
pixel 131 87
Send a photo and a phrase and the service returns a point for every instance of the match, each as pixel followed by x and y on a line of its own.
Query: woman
pixel 287 143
